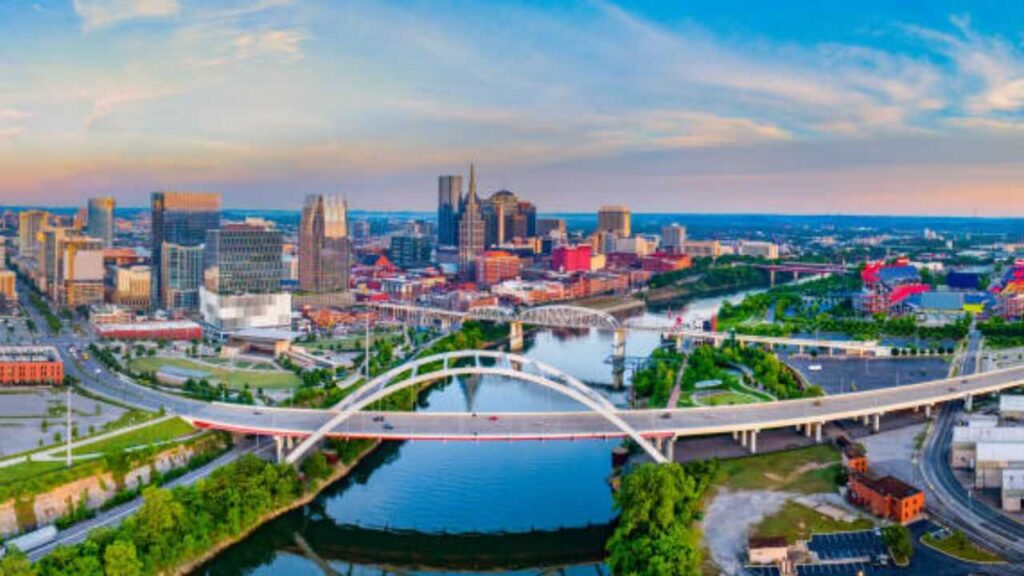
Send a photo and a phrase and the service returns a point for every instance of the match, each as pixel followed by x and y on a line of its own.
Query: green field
pixel 160 432
pixel 806 470
pixel 795 522
pixel 959 546
pixel 728 399
pixel 232 378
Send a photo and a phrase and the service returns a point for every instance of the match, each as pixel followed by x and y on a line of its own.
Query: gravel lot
pixel 728 520
pixel 22 414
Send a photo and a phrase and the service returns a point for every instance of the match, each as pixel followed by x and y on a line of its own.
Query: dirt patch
pixel 728 521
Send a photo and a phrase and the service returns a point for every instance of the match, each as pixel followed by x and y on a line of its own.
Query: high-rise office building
pixel 449 198
pixel 472 230
pixel 100 220
pixel 673 238
pixel 181 273
pixel 133 287
pixel 553 227
pixel 324 245
pixel 410 251
pixel 614 219
pixel 30 224
pixel 508 218
pixel 181 219
pixel 242 279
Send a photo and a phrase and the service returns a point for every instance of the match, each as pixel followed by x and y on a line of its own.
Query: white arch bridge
pixel 355 417
pixel 471 362
pixel 579 317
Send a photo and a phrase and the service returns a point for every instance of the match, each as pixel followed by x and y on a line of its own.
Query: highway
pixel 949 500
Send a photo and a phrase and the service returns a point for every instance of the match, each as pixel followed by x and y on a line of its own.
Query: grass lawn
pixel 160 432
pixel 26 471
pixel 959 546
pixel 796 522
pixel 235 379
pixel 728 399
pixel 806 470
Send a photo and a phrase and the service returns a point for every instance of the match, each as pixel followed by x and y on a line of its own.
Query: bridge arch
pixel 567 316
pixel 543 375
pixel 491 314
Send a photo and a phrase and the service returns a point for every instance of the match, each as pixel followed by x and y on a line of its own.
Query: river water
pixel 461 507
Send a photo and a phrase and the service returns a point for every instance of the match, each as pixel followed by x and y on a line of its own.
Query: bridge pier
pixel 927 410
pixel 619 343
pixel 515 337
pixel 670 448
pixel 969 403
pixel 279 447
pixel 771 278
pixel 876 425
pixel 679 343
pixel 743 438
pixel 817 432
pixel 753 441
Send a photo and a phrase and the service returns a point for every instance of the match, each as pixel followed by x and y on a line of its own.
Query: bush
pixel 901 546
pixel 316 467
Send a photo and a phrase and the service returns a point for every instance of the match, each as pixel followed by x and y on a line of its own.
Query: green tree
pixel 158 526
pixel 316 467
pixel 16 563
pixel 897 537
pixel 120 559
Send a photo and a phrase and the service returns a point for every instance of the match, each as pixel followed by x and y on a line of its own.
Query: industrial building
pixel 30 365
pixel 887 497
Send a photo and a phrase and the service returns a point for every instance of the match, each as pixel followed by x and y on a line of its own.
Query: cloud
pixel 13 115
pixel 109 101
pixel 11 132
pixel 284 44
pixel 97 14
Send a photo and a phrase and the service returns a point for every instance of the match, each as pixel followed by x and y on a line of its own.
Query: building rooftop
pixel 265 334
pixel 755 543
pixel 149 325
pixel 987 434
pixel 1013 479
pixel 888 486
pixel 1011 403
pixel 29 354
pixel 1000 452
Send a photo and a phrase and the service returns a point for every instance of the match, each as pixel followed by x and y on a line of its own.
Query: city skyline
pixel 715 107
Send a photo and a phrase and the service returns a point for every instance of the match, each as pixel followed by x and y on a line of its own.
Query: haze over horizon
pixel 702 107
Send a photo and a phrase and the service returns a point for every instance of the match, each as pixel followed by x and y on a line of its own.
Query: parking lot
pixel 847 545
pixel 842 375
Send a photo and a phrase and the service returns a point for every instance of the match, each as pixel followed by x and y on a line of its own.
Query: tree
pixel 157 525
pixel 316 467
pixel 16 563
pixel 897 538
pixel 120 559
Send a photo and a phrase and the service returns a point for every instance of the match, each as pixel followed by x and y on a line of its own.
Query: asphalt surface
pixel 950 501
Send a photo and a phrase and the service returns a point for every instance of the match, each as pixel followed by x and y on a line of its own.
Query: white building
pixel 224 313
pixel 673 238
pixel 967 439
pixel 758 249
pixel 1012 489
pixel 992 459
pixel 1011 406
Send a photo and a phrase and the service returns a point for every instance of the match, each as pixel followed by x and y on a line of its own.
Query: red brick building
pixel 662 262
pixel 495 266
pixel 854 458
pixel 570 259
pixel 30 365
pixel 886 497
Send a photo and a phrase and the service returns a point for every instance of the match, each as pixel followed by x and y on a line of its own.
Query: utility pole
pixel 69 428
pixel 366 357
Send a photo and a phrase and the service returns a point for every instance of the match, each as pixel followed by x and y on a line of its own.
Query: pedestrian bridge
pixel 579 317
pixel 356 419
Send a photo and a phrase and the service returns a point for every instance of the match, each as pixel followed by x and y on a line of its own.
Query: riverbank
pixel 682 294
pixel 341 470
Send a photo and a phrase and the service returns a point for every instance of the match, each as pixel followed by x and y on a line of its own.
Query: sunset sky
pixel 872 107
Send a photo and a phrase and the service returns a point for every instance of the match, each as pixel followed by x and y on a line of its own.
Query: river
pixel 446 508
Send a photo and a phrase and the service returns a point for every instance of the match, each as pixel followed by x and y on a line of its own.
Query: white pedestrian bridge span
pixel 355 417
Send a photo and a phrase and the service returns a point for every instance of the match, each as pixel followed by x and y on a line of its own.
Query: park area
pixel 233 374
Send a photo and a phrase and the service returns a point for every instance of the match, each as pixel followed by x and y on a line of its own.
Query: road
pixel 948 499
pixel 110 518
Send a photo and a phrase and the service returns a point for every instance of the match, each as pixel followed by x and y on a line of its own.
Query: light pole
pixel 68 455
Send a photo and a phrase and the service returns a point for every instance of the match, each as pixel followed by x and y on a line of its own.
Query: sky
pixel 825 107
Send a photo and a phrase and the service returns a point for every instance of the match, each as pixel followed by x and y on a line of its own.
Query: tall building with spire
pixel 324 247
pixel 472 230
pixel 449 197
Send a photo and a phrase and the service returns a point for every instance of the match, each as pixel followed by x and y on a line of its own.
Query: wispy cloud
pixel 113 99
pixel 97 14
pixel 284 44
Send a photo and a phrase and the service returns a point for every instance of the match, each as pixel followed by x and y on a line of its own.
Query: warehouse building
pixel 30 365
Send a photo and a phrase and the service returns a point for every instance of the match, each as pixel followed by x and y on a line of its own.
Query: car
pixel 492 418
pixel 817 402
pixel 378 418
pixel 666 415
pixel 388 426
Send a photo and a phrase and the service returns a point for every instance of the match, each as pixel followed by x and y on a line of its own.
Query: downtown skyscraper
pixel 449 198
pixel 180 223
pixel 100 220
pixel 472 230
pixel 324 245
